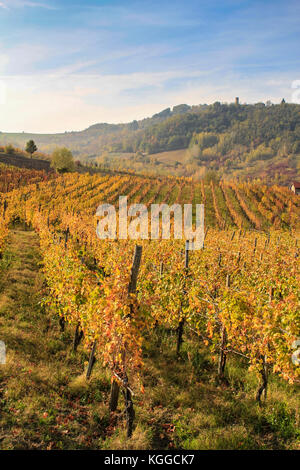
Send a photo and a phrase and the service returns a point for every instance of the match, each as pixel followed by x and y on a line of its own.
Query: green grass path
pixel 37 408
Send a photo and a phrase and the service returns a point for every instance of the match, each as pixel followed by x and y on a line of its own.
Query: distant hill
pixel 236 140
pixel 96 138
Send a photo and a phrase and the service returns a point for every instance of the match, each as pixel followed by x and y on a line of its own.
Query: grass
pixel 46 402
pixel 171 156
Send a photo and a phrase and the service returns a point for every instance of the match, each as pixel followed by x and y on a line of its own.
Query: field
pixel 185 350
pixel 172 163
pixel 180 163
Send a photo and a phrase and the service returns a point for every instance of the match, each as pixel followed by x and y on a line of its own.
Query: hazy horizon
pixel 126 122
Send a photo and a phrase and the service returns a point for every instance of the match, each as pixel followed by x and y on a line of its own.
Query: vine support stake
pixel 134 272
pixel 222 355
pixel 62 323
pixel 114 395
pixel 91 360
pixel 263 386
pixel 130 413
pixel 115 387
pixel 67 237
pixel 161 269
pixel 135 269
pixel 182 321
pixel 77 337
pixel 264 383
pixel 5 206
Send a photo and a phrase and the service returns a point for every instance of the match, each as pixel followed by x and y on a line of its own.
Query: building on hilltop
pixel 295 187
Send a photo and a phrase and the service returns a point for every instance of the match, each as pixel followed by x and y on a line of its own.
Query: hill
pixel 258 140
pixel 23 162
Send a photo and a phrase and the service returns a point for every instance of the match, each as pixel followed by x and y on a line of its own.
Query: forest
pixel 236 140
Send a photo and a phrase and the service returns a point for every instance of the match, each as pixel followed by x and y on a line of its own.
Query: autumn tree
pixel 62 160
pixel 31 147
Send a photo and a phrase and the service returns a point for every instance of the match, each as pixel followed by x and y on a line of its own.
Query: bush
pixel 9 149
pixel 62 160
pixel 260 153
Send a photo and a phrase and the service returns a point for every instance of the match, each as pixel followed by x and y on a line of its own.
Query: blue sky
pixel 66 64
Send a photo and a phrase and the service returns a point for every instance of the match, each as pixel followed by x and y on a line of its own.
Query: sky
pixel 68 64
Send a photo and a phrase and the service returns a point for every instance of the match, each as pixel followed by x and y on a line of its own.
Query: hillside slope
pixel 22 162
pixel 236 140
pixel 61 280
pixel 46 403
pixel 245 206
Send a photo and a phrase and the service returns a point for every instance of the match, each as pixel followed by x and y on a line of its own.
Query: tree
pixel 62 160
pixel 211 175
pixel 31 147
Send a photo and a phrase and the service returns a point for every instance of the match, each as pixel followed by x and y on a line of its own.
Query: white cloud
pixel 48 88
pixel 25 3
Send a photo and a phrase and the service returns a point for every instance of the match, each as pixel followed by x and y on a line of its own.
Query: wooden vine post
pixel 67 234
pixel 115 387
pixel 263 386
pixel 223 354
pixel 182 321
pixel 220 260
pixel 91 360
pixel 255 246
pixel 130 413
pixel 114 395
pixel 77 337
pixel 78 331
pixel 62 323
pixel 161 269
pixel 161 273
pixel 5 205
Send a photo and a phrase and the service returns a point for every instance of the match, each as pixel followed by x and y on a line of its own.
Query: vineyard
pixel 12 177
pixel 236 301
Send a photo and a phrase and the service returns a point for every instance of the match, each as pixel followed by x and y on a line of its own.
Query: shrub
pixel 9 149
